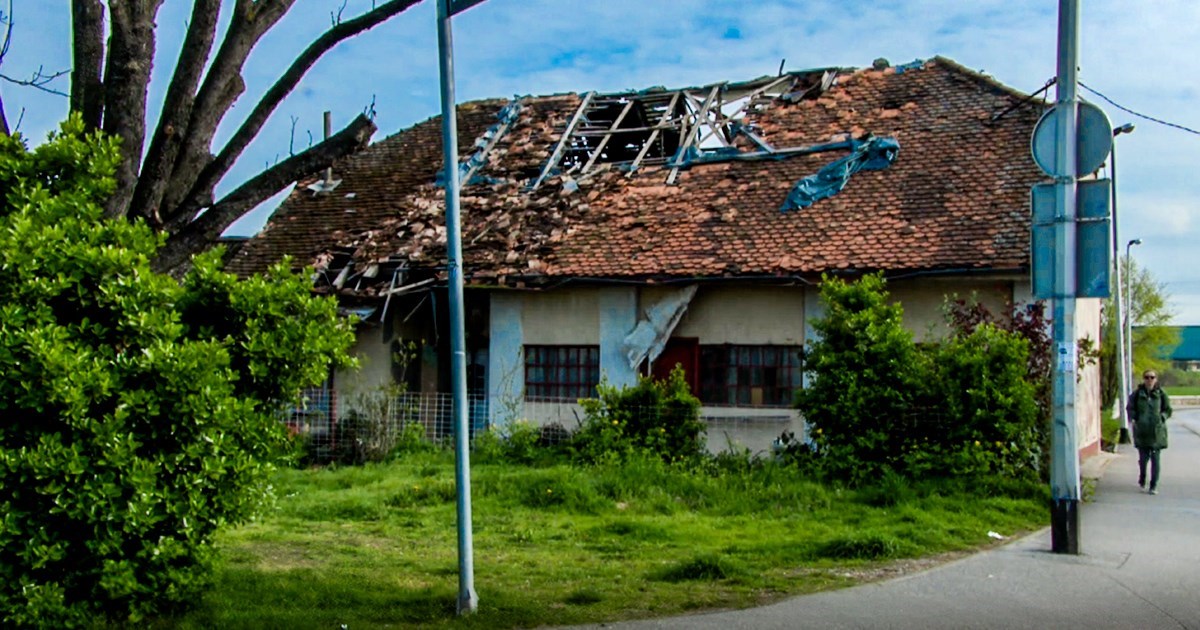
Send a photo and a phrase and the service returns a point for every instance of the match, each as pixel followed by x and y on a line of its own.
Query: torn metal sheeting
pixel 648 338
pixel 409 287
pixel 363 313
pixel 872 154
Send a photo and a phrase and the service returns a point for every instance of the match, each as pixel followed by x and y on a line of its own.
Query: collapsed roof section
pixel 674 127
pixel 680 184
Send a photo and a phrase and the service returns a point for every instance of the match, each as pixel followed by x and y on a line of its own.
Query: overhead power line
pixel 1138 114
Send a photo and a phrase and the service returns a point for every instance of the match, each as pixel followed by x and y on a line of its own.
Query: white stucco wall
pixel 1087 386
pixel 923 300
pixel 618 314
pixel 374 366
pixel 744 315
pixel 563 317
pixel 506 357
pixel 747 315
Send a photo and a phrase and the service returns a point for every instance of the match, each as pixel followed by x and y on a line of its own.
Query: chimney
pixel 327 183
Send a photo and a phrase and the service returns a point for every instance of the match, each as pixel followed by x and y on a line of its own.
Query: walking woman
pixel 1149 407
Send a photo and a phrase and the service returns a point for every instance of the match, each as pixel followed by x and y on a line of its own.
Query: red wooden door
pixel 684 351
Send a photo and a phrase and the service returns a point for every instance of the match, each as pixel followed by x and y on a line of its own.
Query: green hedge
pixel 138 414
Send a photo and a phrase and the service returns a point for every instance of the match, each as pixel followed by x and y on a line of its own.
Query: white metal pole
pixel 1064 464
pixel 1119 324
pixel 468 600
pixel 1129 308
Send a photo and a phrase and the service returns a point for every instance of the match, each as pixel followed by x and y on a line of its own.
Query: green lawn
pixel 375 546
pixel 1183 391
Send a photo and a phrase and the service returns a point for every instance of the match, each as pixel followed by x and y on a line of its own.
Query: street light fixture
pixel 1129 310
pixel 1122 362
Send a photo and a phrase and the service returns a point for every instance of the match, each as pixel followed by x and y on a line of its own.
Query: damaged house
pixel 611 235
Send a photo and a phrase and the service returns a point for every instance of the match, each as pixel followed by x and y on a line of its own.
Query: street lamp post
pixel 468 599
pixel 1129 306
pixel 1122 362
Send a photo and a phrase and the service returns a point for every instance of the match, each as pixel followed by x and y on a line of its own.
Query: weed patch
pixel 863 546
pixel 708 567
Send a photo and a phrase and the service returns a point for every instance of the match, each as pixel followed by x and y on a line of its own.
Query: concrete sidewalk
pixel 1139 568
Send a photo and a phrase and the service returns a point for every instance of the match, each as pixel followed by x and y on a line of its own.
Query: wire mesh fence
pixel 369 426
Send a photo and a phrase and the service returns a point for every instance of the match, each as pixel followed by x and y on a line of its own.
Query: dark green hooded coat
pixel 1148 411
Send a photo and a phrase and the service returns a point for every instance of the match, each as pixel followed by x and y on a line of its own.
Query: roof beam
pixel 562 142
pixel 608 136
pixel 667 115
pixel 690 139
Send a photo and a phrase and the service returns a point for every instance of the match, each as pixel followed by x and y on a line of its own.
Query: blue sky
pixel 1141 54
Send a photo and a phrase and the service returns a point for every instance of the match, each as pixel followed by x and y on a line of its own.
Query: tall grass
pixel 375 546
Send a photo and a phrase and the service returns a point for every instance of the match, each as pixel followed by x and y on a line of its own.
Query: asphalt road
pixel 1139 567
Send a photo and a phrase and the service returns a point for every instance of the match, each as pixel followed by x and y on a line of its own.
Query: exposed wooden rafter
pixel 562 142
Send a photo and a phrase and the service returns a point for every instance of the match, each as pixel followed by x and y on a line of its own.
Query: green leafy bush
pixel 1028 322
pixel 984 414
pixel 661 417
pixel 379 424
pixel 518 442
pixel 138 414
pixel 881 405
pixel 867 379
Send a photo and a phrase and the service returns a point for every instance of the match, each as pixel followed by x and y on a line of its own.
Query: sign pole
pixel 1064 466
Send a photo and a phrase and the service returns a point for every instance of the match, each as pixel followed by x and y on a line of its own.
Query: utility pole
pixel 1064 467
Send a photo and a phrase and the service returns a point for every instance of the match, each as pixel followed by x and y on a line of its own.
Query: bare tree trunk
pixel 222 87
pixel 178 176
pixel 126 81
pixel 87 59
pixel 176 111
pixel 201 192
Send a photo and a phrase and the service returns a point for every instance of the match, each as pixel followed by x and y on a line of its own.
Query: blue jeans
pixel 1151 455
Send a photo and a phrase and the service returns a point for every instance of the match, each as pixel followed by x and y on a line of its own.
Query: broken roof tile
pixel 956 196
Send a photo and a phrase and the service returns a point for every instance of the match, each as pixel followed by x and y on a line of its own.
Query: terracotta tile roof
pixel 955 198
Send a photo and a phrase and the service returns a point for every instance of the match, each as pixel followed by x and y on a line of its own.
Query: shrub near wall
pixel 880 403
pixel 136 414
pixel 867 378
pixel 662 417
pixel 984 415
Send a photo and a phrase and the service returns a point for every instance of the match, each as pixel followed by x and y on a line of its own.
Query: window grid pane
pixel 562 371
pixel 749 374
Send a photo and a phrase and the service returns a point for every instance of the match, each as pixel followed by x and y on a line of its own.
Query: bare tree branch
pixel 39 80
pixel 222 86
pixel 201 233
pixel 126 82
pixel 206 182
pixel 176 111
pixel 87 60
pixel 7 20
pixel 292 137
